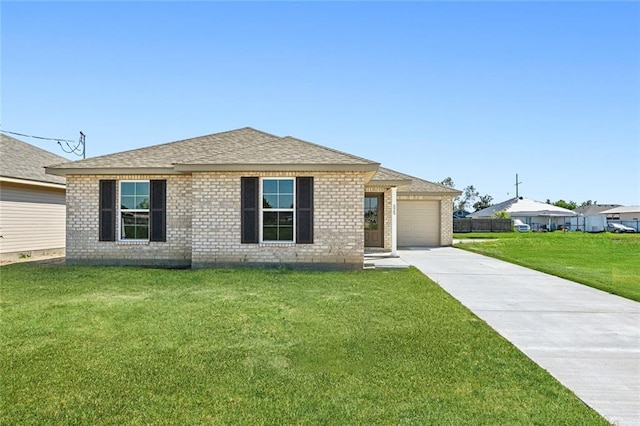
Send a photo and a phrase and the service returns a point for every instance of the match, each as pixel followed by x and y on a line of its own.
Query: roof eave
pixel 370 169
pixel 427 193
pixel 65 171
pixel 32 182
pixel 389 182
pixel 319 167
pixel 544 214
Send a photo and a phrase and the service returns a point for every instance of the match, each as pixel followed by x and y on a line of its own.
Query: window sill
pixel 277 244
pixel 133 242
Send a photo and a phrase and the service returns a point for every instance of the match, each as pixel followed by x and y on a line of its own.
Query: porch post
pixel 394 222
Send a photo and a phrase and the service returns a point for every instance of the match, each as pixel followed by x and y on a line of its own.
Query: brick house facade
pixel 235 198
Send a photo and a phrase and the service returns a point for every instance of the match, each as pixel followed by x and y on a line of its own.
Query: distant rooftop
pixel 521 206
pixel 622 209
pixel 594 209
pixel 19 160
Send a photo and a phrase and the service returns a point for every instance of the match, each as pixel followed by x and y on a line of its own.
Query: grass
pixel 605 261
pixel 90 345
pixel 487 235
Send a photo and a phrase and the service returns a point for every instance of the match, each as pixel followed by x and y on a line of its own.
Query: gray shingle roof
pixel 19 160
pixel 236 147
pixel 416 185
pixel 594 209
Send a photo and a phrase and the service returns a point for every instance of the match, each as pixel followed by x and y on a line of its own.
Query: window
pixel 134 210
pixel 284 214
pixel 278 209
pixel 371 213
pixel 142 213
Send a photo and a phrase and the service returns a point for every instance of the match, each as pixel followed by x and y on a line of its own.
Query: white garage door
pixel 418 223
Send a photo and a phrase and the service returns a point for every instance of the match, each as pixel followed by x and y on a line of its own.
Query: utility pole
pixel 517 183
pixel 78 149
pixel 84 148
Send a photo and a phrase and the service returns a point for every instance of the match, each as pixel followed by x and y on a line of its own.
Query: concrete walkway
pixel 587 339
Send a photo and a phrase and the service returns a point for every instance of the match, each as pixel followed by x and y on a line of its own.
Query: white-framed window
pixel 134 210
pixel 277 216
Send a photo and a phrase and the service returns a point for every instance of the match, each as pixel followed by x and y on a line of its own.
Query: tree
pixel 571 205
pixel 502 214
pixel 469 194
pixel 448 182
pixel 483 202
pixel 566 205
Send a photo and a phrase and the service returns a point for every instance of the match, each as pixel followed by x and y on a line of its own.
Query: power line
pixel 72 147
pixel 37 137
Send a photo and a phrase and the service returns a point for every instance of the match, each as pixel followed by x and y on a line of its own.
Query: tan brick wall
pixel 203 224
pixel 83 219
pixel 338 222
pixel 207 206
pixel 446 221
pixel 446 213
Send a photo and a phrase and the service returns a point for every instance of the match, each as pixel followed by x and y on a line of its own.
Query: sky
pixel 476 91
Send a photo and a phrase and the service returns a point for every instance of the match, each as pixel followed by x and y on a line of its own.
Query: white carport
pixel 537 214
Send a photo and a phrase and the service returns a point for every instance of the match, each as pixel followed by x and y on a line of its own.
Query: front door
pixel 373 220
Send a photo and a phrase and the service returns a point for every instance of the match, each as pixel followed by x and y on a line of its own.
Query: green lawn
pixel 89 345
pixel 609 262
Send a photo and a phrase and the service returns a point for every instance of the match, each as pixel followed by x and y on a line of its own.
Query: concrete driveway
pixel 587 339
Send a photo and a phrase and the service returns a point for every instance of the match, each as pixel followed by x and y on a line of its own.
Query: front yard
pixel 88 345
pixel 609 262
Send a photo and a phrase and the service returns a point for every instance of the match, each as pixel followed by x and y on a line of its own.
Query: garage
pixel 418 223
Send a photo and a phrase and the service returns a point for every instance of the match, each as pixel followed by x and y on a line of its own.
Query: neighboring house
pixel 595 209
pixel 32 203
pixel 625 215
pixel 246 197
pixel 536 214
pixel 460 214
pixel 590 218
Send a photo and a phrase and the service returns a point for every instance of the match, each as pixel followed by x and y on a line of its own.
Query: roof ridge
pixel 326 148
pixel 193 161
pixel 166 144
pixel 245 145
pixel 415 177
pixel 222 133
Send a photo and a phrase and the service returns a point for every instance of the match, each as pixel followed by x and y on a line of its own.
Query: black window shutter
pixel 250 209
pixel 107 220
pixel 158 210
pixel 304 210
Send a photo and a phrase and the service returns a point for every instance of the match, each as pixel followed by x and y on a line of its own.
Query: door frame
pixel 380 230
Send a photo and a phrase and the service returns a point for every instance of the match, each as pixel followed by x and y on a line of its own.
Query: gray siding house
pixel 32 203
pixel 245 197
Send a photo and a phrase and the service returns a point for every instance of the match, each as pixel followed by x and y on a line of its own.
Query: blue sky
pixel 477 91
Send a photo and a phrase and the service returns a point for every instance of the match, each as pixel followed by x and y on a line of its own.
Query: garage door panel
pixel 418 223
